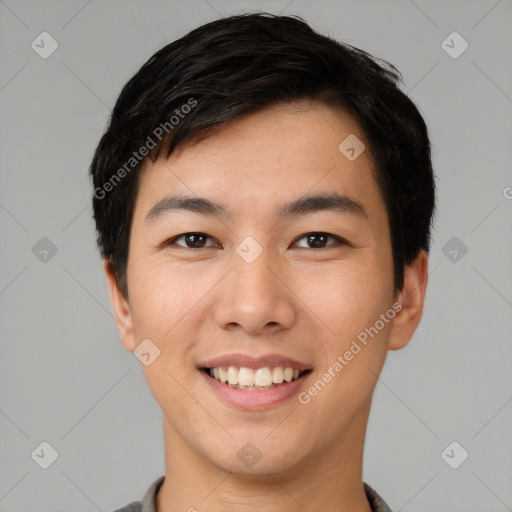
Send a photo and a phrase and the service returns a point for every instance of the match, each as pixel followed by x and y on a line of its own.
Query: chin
pixel 257 456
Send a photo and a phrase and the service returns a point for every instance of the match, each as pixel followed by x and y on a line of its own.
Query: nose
pixel 255 299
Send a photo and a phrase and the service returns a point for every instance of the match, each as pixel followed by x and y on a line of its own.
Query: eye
pixel 192 240
pixel 315 240
pixel 318 240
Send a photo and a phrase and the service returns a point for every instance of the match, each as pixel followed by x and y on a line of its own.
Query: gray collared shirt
pixel 148 503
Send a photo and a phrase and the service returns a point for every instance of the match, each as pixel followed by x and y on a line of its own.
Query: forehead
pixel 277 154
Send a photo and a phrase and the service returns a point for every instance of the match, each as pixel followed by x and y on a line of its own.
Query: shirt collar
pixel 149 501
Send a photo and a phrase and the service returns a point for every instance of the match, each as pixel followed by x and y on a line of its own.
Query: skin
pixel 294 300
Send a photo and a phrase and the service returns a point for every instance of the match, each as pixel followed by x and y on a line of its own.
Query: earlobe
pixel 411 298
pixel 121 309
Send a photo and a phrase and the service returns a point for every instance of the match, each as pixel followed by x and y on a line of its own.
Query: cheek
pixel 162 301
pixel 348 296
pixel 161 296
pixel 352 355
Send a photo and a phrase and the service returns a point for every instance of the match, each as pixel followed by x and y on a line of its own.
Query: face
pixel 266 281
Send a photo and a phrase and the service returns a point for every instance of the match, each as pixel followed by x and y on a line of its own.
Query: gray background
pixel 65 377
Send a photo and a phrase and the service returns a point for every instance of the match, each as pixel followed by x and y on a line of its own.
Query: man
pixel 263 197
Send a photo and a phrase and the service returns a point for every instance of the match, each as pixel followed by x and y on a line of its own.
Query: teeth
pixel 223 374
pixel 247 378
pixel 278 375
pixel 232 375
pixel 263 377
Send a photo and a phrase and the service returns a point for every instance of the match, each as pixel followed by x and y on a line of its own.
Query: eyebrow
pixel 331 201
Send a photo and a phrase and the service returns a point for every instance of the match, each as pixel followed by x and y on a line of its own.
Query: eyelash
pixel 341 241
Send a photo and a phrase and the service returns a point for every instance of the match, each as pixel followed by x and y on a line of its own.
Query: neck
pixel 326 480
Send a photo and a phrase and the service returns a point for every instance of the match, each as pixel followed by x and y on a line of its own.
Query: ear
pixel 411 298
pixel 121 309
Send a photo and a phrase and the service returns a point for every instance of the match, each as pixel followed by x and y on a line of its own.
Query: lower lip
pixel 255 400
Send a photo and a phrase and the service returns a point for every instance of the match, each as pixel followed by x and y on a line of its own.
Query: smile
pixel 254 382
pixel 258 379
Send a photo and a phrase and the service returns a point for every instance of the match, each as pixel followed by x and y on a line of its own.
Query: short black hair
pixel 241 64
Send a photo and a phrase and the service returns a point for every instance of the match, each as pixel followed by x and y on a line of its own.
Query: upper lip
pixel 247 361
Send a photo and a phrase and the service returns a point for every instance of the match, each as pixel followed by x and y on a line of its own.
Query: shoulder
pixel 376 502
pixel 134 506
pixel 148 502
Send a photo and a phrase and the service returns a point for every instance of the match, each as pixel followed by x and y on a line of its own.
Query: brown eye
pixel 192 240
pixel 315 240
pixel 318 240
